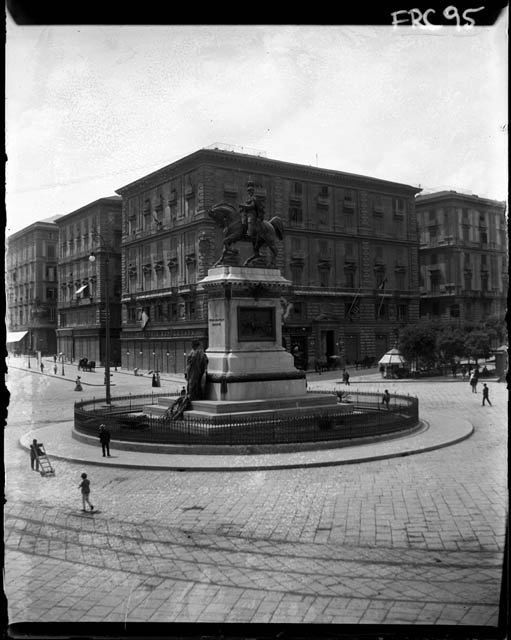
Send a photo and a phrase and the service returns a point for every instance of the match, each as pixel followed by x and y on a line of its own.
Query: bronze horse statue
pixel 267 232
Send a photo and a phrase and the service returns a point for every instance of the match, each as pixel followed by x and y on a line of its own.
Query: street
pixel 411 540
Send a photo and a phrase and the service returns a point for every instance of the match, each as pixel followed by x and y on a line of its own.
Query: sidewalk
pixel 61 442
pixel 96 378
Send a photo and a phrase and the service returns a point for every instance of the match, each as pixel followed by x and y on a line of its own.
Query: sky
pixel 90 109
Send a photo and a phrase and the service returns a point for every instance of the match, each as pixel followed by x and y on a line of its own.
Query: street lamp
pixel 92 258
pixel 167 354
pixel 127 360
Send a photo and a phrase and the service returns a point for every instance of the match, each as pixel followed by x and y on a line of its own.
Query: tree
pixel 450 343
pixel 418 342
pixel 478 344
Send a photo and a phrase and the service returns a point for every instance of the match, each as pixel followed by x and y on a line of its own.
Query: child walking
pixel 85 487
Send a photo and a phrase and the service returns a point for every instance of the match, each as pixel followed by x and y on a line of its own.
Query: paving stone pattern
pixel 414 540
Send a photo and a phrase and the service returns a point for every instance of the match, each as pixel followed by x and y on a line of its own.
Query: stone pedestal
pixel 246 358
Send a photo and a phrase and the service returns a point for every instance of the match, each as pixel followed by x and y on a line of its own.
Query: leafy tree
pixel 418 342
pixel 478 344
pixel 450 343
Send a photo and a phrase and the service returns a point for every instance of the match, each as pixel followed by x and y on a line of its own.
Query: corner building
pixel 31 289
pixel 86 288
pixel 350 249
pixel 463 257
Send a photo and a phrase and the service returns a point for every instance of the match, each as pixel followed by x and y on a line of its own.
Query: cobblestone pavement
pixel 414 540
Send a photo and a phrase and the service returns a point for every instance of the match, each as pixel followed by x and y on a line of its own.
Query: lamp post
pixel 127 360
pixel 92 259
pixel 167 354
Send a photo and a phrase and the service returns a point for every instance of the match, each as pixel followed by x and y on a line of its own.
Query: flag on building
pixel 144 320
pixel 381 287
pixel 354 309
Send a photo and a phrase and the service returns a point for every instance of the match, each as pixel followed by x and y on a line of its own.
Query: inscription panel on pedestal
pixel 256 324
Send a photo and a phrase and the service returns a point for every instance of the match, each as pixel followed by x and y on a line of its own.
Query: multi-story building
pixel 463 257
pixel 31 289
pixel 87 288
pixel 350 250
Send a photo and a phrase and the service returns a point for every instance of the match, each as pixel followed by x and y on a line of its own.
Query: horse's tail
pixel 276 223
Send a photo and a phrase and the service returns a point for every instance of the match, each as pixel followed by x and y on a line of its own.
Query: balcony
pixel 378 208
pixel 348 205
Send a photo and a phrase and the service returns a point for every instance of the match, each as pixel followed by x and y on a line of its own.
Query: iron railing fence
pixel 362 416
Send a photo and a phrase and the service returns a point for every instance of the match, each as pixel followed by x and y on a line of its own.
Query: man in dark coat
pixel 104 438
pixel 196 365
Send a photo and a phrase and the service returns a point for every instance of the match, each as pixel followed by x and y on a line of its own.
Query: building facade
pixel 31 289
pixel 88 288
pixel 463 258
pixel 350 250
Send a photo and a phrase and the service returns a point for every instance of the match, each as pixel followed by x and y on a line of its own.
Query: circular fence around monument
pixel 358 414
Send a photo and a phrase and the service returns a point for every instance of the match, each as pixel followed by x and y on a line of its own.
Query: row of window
pixel 468 216
pixel 350 280
pixel 163 311
pixel 175 311
pixel 22 316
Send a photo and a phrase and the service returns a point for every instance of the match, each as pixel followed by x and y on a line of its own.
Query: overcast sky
pixel 92 108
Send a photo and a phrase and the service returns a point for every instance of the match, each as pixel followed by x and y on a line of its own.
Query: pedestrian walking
pixel 55 368
pixel 85 487
pixel 346 377
pixel 382 371
pixel 42 366
pixel 55 358
pixel 386 398
pixel 486 395
pixel 104 438
pixel 35 450
pixel 78 384
pixel 473 381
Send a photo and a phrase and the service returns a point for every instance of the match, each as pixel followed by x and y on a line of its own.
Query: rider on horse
pixel 252 213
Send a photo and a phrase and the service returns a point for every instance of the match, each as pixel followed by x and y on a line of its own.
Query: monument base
pixel 219 411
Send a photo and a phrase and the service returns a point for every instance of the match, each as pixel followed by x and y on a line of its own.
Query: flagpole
pixel 382 287
pixel 353 303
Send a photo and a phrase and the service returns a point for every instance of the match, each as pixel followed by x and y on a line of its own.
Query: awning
pixel 81 289
pixel 392 357
pixel 15 336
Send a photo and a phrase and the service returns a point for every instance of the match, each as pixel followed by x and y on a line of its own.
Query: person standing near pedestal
pixel 196 364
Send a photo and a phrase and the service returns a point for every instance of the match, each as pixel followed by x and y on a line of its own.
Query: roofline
pixel 105 200
pixel 446 194
pixel 31 227
pixel 262 161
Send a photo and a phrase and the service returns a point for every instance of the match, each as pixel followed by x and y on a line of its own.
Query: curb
pixel 420 442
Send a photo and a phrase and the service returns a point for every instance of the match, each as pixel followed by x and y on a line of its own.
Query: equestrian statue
pixel 247 224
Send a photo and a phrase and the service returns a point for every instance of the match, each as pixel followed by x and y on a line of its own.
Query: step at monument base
pixel 216 411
